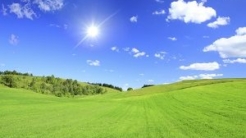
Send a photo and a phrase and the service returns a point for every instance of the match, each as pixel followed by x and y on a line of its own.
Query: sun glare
pixel 92 31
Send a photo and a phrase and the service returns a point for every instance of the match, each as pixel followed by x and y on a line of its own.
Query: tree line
pixel 147 85
pixel 49 84
pixel 7 72
pixel 107 85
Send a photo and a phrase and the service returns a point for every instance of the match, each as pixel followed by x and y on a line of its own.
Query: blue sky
pixel 139 41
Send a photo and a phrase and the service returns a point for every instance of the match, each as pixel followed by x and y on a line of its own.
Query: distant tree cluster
pixel 48 85
pixel 7 72
pixel 147 85
pixel 129 89
pixel 106 85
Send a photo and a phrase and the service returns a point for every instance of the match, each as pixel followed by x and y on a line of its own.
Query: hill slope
pixel 184 109
pixel 53 85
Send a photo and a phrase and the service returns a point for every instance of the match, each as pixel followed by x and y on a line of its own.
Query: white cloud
pixel 202 66
pixel 205 36
pixel 209 76
pixel 234 46
pixel 172 38
pixel 64 26
pixel 238 60
pixel 159 1
pixel 161 12
pixel 134 50
pixel 241 31
pixel 221 21
pixel 109 70
pixel 25 1
pixel 54 25
pixel 115 49
pixel 137 53
pixel 190 12
pixel 134 19
pixel 188 77
pixel 22 11
pixel 140 54
pixel 49 5
pixel 93 62
pixel 141 74
pixel 4 10
pixel 13 40
pixel 150 81
pixel 160 55
pixel 201 76
pixel 126 49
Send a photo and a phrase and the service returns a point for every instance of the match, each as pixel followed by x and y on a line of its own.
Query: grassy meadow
pixel 204 109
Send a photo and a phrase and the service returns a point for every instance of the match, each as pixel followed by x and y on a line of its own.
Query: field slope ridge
pixel 204 109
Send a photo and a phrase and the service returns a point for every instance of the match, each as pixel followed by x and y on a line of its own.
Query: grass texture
pixel 204 109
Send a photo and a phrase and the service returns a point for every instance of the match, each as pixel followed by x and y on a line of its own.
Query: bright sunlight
pixel 92 31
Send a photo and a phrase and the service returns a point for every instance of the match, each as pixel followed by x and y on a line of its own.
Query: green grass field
pixel 189 109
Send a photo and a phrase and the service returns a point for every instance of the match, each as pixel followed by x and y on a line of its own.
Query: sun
pixel 92 31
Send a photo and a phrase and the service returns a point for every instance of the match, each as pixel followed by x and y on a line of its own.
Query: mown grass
pixel 206 108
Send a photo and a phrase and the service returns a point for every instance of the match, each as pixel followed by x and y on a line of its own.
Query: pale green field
pixel 205 109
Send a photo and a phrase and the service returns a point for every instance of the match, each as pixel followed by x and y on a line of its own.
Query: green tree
pixel 33 82
pixel 9 81
pixel 43 87
pixel 129 89
pixel 33 85
pixel 50 79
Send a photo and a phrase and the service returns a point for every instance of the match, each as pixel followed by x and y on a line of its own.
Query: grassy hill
pixel 52 85
pixel 203 108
